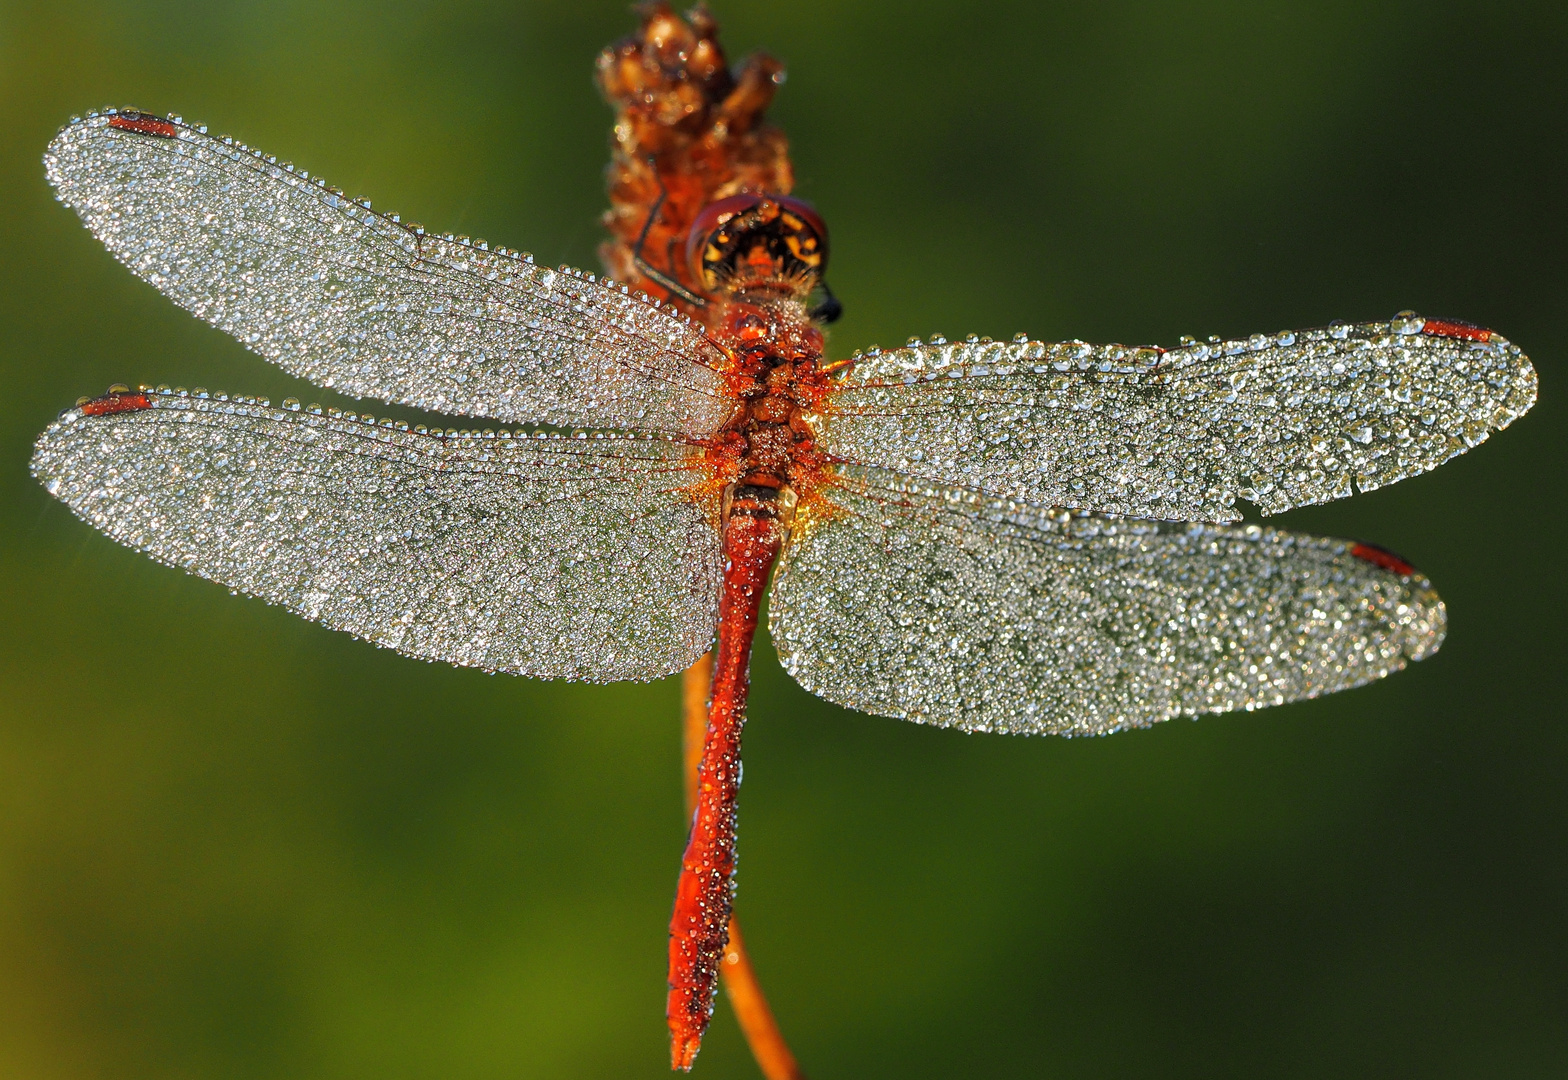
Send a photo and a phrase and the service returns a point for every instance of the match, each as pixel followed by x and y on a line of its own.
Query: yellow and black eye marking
pixel 803 242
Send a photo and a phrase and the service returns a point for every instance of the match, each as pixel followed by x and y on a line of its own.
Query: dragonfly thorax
pixel 778 385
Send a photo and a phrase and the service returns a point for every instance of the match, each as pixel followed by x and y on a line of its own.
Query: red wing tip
pixel 144 124
pixel 1385 559
pixel 1455 328
pixel 115 402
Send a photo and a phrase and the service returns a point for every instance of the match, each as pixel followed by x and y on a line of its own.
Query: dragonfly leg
pixel 830 309
pixel 646 268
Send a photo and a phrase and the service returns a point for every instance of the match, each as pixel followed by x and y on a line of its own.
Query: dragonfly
pixel 997 536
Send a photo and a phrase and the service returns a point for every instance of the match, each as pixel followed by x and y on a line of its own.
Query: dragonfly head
pixel 764 245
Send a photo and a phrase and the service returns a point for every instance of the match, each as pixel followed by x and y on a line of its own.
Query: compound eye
pixel 713 233
pixel 770 243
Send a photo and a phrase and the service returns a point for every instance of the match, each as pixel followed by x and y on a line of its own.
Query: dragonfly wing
pixel 1280 421
pixel 359 302
pixel 952 608
pixel 549 556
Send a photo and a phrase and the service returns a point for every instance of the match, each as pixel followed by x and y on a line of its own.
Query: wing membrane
pixel 357 301
pixel 1281 421
pixel 549 556
pixel 951 608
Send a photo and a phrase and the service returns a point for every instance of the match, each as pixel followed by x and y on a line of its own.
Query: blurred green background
pixel 233 844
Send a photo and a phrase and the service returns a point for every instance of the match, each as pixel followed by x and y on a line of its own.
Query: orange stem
pixel 740 978
pixel 695 683
pixel 751 1009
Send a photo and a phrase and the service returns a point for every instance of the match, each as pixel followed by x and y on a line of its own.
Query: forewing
pixel 362 303
pixel 950 608
pixel 1280 421
pixel 550 556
